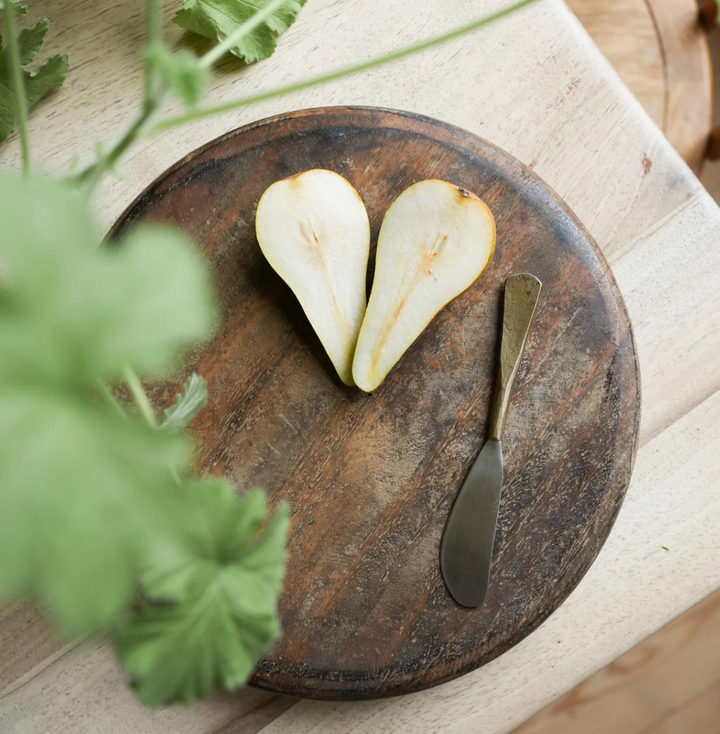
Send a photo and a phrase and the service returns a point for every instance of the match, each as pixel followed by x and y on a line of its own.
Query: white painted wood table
pixel 536 86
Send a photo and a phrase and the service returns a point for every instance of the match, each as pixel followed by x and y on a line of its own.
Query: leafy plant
pixel 99 506
pixel 37 82
pixel 72 315
pixel 224 577
pixel 96 502
pixel 179 72
pixel 218 19
pixel 187 404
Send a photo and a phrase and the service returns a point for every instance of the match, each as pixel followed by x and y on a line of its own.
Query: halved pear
pixel 435 240
pixel 314 230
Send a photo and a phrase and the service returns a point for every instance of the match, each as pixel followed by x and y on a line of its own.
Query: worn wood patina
pixel 371 478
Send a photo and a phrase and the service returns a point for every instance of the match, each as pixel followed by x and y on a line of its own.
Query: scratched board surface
pixel 371 478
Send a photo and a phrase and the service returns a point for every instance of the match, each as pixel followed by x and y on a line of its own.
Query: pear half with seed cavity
pixel 435 241
pixel 314 231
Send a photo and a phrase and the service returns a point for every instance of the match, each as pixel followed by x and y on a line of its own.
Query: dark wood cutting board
pixel 371 478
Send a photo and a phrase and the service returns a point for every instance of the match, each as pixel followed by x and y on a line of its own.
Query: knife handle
pixel 521 296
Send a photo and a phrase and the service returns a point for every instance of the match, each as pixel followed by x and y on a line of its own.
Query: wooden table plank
pixel 660 51
pixel 25 640
pixel 85 691
pixel 700 716
pixel 624 30
pixel 537 87
pixel 670 282
pixel 664 678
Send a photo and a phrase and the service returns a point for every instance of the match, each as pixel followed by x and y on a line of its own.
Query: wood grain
pixel 627 36
pixel 648 685
pixel 536 86
pixel 661 53
pixel 699 716
pixel 371 478
pixel 688 73
pixel 34 642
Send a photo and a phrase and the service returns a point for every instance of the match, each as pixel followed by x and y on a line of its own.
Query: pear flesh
pixel 435 241
pixel 313 229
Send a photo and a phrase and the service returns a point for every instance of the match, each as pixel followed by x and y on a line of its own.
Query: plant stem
pixel 240 32
pixel 153 38
pixel 140 398
pixel 91 174
pixel 191 115
pixel 18 87
pixel 110 398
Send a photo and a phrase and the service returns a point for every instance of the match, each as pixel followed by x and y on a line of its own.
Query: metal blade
pixel 467 543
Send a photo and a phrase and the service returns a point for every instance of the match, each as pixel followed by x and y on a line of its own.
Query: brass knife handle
pixel 521 296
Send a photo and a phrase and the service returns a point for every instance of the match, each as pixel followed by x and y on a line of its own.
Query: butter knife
pixel 469 536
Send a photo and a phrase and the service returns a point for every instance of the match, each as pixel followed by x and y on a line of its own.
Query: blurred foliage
pixel 94 502
pixel 187 404
pixel 37 81
pixel 98 503
pixel 180 72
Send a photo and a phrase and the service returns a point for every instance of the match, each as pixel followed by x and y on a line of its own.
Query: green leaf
pixel 75 313
pixel 85 492
pixel 38 82
pixel 31 40
pixel 219 579
pixel 187 404
pixel 20 8
pixel 181 72
pixel 45 78
pixel 7 110
pixel 217 19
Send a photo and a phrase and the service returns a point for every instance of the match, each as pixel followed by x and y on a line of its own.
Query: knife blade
pixel 469 535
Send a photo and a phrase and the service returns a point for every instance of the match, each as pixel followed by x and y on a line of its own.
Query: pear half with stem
pixel 435 241
pixel 314 231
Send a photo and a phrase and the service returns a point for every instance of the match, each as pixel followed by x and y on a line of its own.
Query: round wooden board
pixel 371 478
